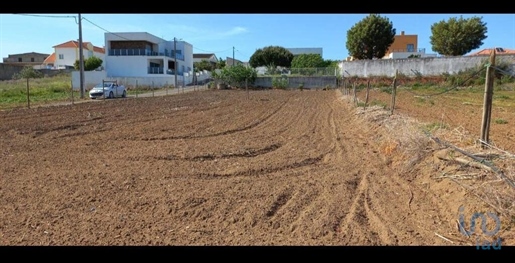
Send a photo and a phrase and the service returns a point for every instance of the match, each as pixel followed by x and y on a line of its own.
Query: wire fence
pixel 32 93
pixel 457 107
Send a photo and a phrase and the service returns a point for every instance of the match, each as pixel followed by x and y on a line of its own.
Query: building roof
pixel 75 44
pixel 488 51
pixel 28 53
pixel 203 55
pixel 50 59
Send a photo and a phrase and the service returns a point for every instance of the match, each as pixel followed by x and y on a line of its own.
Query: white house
pixel 67 53
pixel 142 55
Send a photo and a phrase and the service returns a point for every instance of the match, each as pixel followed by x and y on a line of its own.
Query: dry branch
pixel 482 161
pixel 466 162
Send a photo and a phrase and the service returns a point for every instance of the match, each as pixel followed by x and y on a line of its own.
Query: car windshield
pixel 106 85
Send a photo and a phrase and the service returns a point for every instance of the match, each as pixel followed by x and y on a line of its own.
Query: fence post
pixel 166 87
pixel 28 96
pixel 366 95
pixel 394 91
pixel 71 85
pixel 152 88
pixel 354 93
pixel 487 104
pixel 136 88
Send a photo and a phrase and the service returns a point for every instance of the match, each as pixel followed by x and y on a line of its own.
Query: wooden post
pixel 487 104
pixel 71 82
pixel 28 96
pixel 167 88
pixel 152 88
pixel 354 92
pixel 136 89
pixel 247 88
pixel 394 91
pixel 366 95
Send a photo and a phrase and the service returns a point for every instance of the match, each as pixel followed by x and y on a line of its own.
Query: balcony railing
pixel 155 70
pixel 160 70
pixel 143 52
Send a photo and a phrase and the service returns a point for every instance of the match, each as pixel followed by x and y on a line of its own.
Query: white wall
pixel 70 56
pixel 127 66
pixel 432 66
pixel 188 55
pixel 91 78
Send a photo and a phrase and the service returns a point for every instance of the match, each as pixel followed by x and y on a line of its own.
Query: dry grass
pixel 405 137
pixel 408 140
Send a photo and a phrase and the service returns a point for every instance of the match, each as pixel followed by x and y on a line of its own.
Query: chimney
pixel 402 33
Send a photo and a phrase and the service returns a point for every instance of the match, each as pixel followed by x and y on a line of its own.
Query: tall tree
pixel 271 56
pixel 90 63
pixel 308 61
pixel 457 36
pixel 370 38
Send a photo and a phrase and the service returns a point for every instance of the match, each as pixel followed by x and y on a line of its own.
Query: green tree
pixel 457 36
pixel 331 63
pixel 370 38
pixel 308 61
pixel 220 64
pixel 90 63
pixel 271 56
pixel 237 75
pixel 203 65
pixel 28 72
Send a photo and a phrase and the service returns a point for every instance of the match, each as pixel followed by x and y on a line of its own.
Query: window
pixel 61 56
pixel 19 59
pixel 31 59
pixel 411 48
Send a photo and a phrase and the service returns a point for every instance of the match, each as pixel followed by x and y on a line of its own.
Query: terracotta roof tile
pixel 75 44
pixel 488 51
pixel 50 59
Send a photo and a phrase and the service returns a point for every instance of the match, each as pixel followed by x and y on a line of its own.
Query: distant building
pixel 67 53
pixel 308 50
pixel 405 46
pixel 198 57
pixel 498 51
pixel 24 59
pixel 232 62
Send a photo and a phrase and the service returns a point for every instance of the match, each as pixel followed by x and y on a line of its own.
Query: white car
pixel 108 90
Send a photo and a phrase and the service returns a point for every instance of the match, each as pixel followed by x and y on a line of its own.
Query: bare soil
pixel 219 168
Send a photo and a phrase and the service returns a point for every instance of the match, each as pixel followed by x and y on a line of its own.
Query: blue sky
pixel 219 33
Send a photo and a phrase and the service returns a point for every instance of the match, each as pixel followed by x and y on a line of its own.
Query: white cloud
pixel 235 31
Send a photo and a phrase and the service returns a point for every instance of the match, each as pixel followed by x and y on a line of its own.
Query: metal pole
pixel 81 60
pixel 175 58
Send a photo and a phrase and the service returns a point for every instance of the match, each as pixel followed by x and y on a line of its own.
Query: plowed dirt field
pixel 217 168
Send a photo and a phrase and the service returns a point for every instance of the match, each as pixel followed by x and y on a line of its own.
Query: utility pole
pixel 81 60
pixel 175 58
pixel 233 56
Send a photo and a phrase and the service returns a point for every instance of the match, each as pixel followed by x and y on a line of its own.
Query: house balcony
pixel 160 70
pixel 143 52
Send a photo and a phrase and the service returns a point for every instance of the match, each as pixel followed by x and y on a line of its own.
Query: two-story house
pixel 67 53
pixel 26 59
pixel 406 46
pixel 140 54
